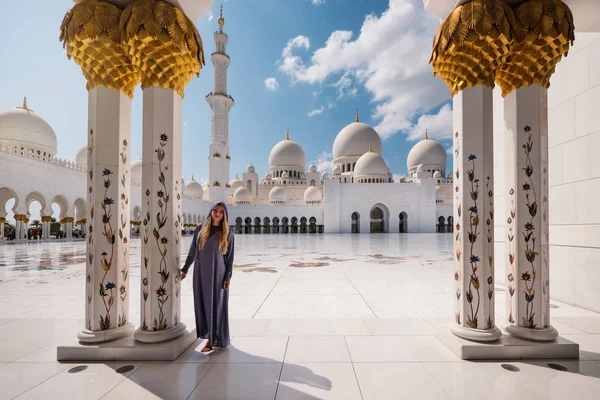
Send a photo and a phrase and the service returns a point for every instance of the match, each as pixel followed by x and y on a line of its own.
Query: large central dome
pixel 354 140
pixel 22 127
pixel 427 152
pixel 287 153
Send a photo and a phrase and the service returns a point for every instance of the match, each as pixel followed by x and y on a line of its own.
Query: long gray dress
pixel 211 269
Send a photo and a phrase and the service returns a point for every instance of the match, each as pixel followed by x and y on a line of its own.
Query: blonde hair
pixel 223 234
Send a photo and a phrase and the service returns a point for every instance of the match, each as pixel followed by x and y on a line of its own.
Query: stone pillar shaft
pixel 527 228
pixel 107 267
pixel 474 215
pixel 161 211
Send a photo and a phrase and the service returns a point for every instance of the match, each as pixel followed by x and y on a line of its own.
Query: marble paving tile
pixel 92 383
pixel 239 381
pixel 585 324
pixel 318 381
pixel 378 349
pixel 589 345
pixel 254 349
pixel 316 327
pixel 397 381
pixel 160 380
pixel 248 327
pixel 17 378
pixel 399 326
pixel 314 306
pixel 317 349
pixel 466 380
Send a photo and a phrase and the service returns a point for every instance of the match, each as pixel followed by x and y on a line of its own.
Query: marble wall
pixel 574 176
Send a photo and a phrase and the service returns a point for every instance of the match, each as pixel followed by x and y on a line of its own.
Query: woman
pixel 212 254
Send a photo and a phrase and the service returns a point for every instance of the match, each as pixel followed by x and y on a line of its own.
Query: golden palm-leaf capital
pixel 91 35
pixel 471 42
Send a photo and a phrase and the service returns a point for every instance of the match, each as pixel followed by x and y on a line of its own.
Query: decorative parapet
pixel 220 94
pixel 15 150
pixel 216 183
pixel 227 185
pixel 217 155
pixel 220 53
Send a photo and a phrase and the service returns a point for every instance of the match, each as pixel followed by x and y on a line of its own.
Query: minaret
pixel 220 103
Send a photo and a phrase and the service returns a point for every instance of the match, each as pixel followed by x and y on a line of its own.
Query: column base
pixel 87 336
pixel 159 336
pixel 546 334
pixel 477 335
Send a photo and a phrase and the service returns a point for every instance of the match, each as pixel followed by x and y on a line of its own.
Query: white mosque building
pixel 358 196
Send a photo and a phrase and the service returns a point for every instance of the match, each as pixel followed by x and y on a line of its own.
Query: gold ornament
pixel 472 42
pixel 544 31
pixel 163 43
pixel 90 33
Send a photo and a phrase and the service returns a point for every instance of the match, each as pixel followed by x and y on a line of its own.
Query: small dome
pixel 193 189
pixel 21 126
pixel 285 174
pixel 235 183
pixel 268 177
pixel 370 164
pixel 337 169
pixel 325 175
pixel 437 174
pixel 242 194
pixel 427 152
pixel 312 168
pixel 287 153
pixel 136 169
pixel 312 194
pixel 420 168
pixel 354 140
pixel 81 158
pixel 250 168
pixel 403 179
pixel 277 194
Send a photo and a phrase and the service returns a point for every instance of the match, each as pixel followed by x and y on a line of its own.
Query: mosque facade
pixel 358 196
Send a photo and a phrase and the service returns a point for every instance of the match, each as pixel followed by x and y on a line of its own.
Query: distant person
pixel 212 252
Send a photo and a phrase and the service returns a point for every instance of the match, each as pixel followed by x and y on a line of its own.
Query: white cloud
pixel 439 125
pixel 317 2
pixel 316 112
pixel 271 84
pixel 389 58
pixel 450 150
pixel 210 17
pixel 344 86
pixel 330 105
pixel 324 161
pixel 186 123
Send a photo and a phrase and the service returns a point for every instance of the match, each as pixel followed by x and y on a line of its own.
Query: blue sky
pixel 331 56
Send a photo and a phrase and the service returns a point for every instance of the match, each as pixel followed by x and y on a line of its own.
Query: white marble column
pixel 161 212
pixel 526 183
pixel 46 220
pixel 474 215
pixel 107 266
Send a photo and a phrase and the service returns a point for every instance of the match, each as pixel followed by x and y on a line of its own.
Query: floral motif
pixel 490 248
pixel 458 234
pixel 90 239
pixel 145 260
pixel 473 233
pixel 511 255
pixel 106 261
pixel 529 234
pixel 123 237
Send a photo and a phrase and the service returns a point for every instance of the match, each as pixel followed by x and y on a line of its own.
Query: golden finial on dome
pixel 287 134
pixel 221 19
pixel 426 134
pixel 370 149
pixel 24 107
pixel 193 178
pixel 236 176
pixel 357 115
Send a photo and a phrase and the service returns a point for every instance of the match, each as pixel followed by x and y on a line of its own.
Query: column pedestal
pixel 107 264
pixel 162 222
pixel 474 216
pixel 527 228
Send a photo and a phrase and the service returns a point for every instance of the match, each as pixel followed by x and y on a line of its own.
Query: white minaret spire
pixel 220 103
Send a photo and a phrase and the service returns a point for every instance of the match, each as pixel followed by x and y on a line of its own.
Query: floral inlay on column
pixel 144 274
pixel 106 260
pixel 458 236
pixel 125 248
pixel 90 247
pixel 472 320
pixel 489 323
pixel 529 234
pixel 511 254
pixel 162 242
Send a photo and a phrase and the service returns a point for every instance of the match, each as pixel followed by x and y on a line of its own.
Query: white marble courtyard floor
pixel 312 317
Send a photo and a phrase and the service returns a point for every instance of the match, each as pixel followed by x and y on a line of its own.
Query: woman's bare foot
pixel 207 349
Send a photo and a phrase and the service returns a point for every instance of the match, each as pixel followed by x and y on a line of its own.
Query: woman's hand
pixel 182 275
pixel 225 285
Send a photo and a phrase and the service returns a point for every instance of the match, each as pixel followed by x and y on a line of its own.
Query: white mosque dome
pixel 250 168
pixel 312 194
pixel 235 183
pixel 287 153
pixel 437 174
pixel 277 194
pixel 354 140
pixel 337 169
pixel 325 175
pixel 22 127
pixel 268 177
pixel 285 174
pixel 136 169
pixel 81 158
pixel 193 189
pixel 370 164
pixel 312 168
pixel 420 168
pixel 242 194
pixel 427 152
